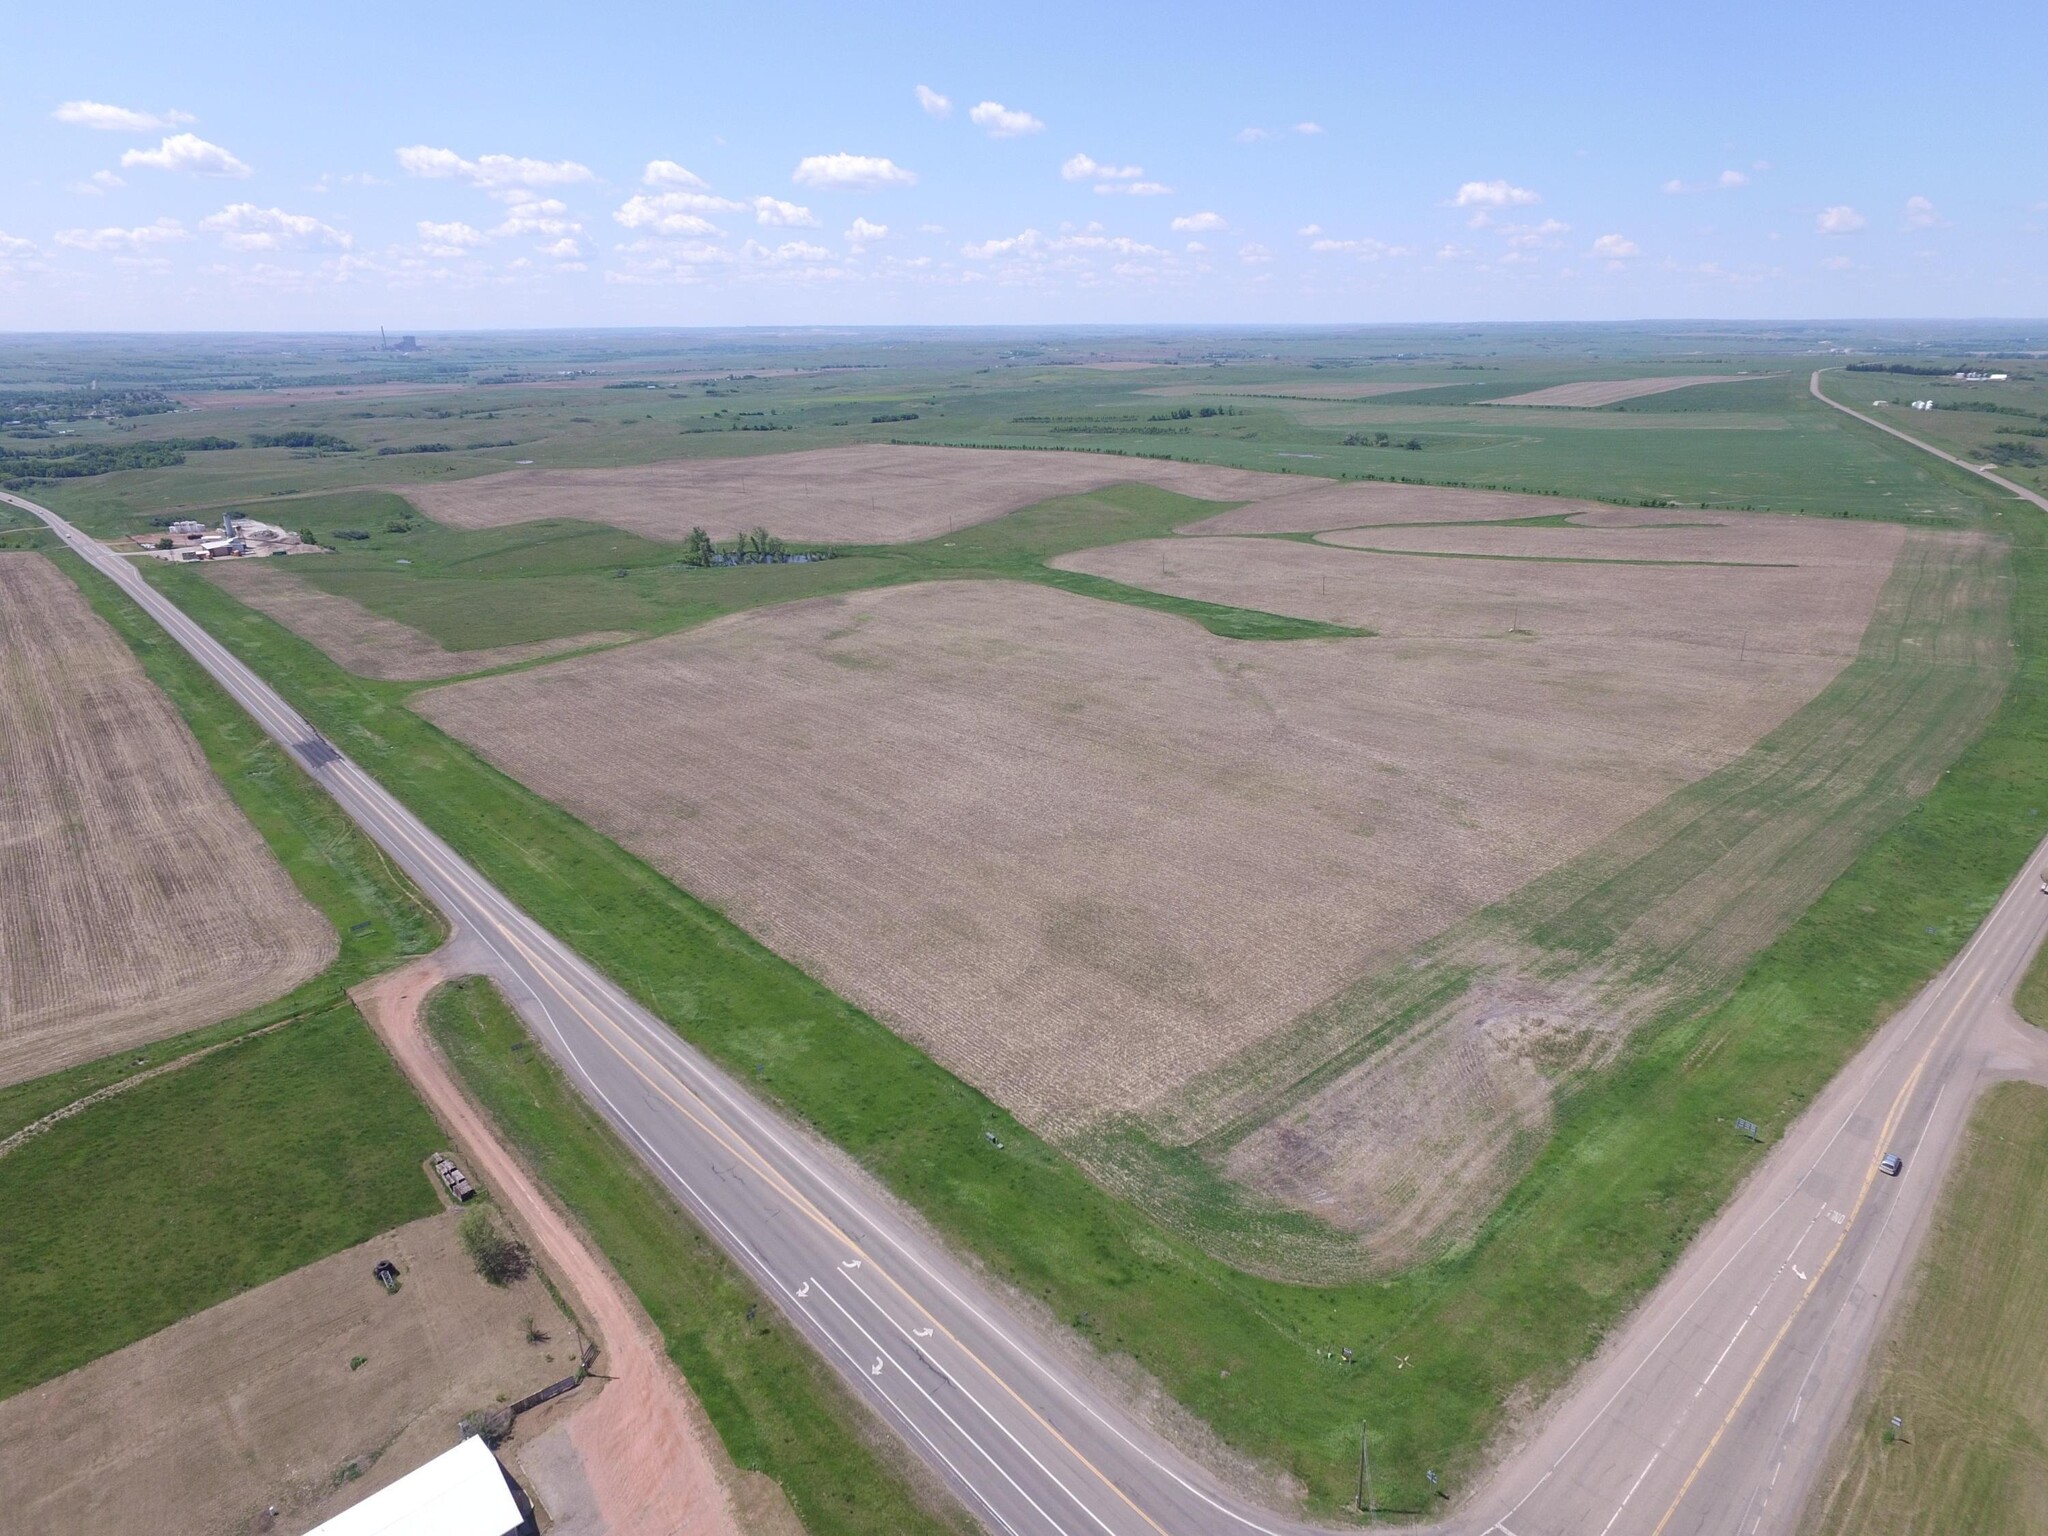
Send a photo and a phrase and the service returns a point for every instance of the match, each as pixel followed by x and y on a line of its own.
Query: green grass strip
pixel 775 1404
pixel 192 1188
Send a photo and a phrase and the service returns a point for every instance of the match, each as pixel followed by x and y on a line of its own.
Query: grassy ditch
pixel 1966 1364
pixel 471 589
pixel 773 1401
pixel 189 1189
pixel 2032 997
pixel 1640 1160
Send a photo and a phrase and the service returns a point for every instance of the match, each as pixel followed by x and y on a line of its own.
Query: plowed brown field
pixel 1084 854
pixel 135 899
pixel 871 493
pixel 1597 392
pixel 367 643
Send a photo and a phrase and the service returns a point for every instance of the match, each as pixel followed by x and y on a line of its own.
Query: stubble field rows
pixel 135 900
pixel 874 493
pixel 1128 851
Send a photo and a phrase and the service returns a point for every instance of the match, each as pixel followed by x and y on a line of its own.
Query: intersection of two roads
pixel 1711 1411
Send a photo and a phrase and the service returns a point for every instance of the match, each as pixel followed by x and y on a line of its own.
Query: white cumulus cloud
pixel 933 103
pixel 1493 194
pixel 1253 135
pixel 494 173
pixel 141 238
pixel 245 227
pixel 666 173
pixel 1081 167
pixel 1199 223
pixel 863 231
pixel 773 210
pixel 539 216
pixel 1841 219
pixel 1003 122
pixel 451 239
pixel 861 173
pixel 1365 250
pixel 1253 254
pixel 1616 247
pixel 674 213
pixel 186 152
pixel 1920 214
pixel 1310 130
pixel 112 119
pixel 1731 180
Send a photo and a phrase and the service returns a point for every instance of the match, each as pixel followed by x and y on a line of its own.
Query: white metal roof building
pixel 459 1493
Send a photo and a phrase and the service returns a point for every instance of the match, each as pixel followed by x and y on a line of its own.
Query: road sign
pixel 1747 1128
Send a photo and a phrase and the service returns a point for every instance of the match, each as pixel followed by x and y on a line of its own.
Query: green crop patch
pixel 279 1150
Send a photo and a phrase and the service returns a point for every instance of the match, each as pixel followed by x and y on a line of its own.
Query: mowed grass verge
pixel 471 589
pixel 774 1402
pixel 1966 1362
pixel 264 1156
pixel 1641 1157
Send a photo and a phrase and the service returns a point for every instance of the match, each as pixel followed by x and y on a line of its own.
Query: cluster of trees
pixel 73 461
pixel 1189 413
pixel 499 1259
pixel 1927 370
pixel 33 407
pixel 895 416
pixel 386 452
pixel 758 547
pixel 2014 454
pixel 1380 440
pixel 326 441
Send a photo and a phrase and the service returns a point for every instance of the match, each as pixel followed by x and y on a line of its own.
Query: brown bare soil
pixel 367 643
pixel 1321 506
pixel 1085 854
pixel 1362 390
pixel 253 1403
pixel 871 493
pixel 1596 392
pixel 1805 602
pixel 643 1459
pixel 135 899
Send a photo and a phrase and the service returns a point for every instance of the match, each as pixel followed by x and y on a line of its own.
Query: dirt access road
pixel 648 1458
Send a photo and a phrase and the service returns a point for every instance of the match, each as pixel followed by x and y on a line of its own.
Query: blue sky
pixel 428 167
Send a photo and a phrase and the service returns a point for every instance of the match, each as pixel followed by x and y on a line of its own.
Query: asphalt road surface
pixel 1711 1411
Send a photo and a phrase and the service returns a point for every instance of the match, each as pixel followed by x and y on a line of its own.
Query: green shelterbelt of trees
pixel 35 406
pixel 22 468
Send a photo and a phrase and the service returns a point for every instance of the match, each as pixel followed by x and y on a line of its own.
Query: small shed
pixel 462 1492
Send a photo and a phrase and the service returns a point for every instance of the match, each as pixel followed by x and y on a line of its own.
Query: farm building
pixel 463 1492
